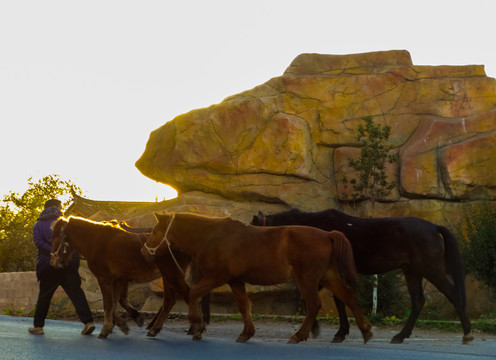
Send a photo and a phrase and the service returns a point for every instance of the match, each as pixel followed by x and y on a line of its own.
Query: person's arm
pixel 42 238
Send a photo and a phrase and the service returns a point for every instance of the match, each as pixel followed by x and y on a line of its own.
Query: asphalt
pixel 62 340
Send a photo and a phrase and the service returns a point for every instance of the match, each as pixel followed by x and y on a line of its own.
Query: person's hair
pixel 53 202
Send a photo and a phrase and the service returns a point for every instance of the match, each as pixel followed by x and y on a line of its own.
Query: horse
pixel 418 247
pixel 229 251
pixel 113 256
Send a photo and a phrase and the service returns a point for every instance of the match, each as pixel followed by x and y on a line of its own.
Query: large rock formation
pixel 288 141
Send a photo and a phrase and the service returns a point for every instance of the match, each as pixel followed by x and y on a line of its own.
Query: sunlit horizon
pixel 145 190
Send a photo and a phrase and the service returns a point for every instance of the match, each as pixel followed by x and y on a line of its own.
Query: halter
pixel 63 243
pixel 262 217
pixel 153 251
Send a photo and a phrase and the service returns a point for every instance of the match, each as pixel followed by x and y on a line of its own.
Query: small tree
pixel 372 181
pixel 370 167
pixel 18 213
pixel 479 245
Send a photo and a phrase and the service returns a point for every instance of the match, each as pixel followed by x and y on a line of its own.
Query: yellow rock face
pixel 289 140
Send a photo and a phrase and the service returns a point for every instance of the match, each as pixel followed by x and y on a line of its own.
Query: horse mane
pixel 111 224
pixel 203 216
pixel 291 214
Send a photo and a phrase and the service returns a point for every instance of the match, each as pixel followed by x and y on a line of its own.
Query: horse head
pixel 158 235
pixel 61 253
pixel 261 220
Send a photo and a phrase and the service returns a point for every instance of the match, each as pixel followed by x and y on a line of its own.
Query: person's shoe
pixel 88 328
pixel 36 331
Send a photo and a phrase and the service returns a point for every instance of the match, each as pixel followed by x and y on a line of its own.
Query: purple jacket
pixel 42 237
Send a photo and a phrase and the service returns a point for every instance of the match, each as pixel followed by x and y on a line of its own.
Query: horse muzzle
pixel 55 262
pixel 147 255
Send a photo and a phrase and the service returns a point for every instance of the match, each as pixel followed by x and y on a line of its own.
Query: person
pixel 50 278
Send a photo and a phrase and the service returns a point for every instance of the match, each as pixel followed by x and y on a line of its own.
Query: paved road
pixel 63 341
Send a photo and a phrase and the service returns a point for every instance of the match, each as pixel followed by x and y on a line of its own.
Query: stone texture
pixel 288 140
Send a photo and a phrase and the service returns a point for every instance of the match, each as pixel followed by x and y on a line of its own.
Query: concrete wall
pixel 19 292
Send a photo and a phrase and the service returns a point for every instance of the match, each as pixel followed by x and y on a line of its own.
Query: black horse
pixel 419 248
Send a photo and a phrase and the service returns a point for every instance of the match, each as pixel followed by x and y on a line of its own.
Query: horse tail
pixel 342 255
pixel 455 265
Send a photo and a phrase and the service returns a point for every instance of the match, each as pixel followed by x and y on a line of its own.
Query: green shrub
pixel 391 299
pixel 479 244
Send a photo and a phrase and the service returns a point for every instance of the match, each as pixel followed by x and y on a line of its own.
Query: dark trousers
pixel 70 281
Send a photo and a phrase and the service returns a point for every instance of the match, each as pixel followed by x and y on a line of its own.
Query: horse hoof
pixel 293 340
pixel 367 336
pixel 102 336
pixel 315 329
pixel 397 340
pixel 467 339
pixel 337 339
pixel 152 333
pixel 197 337
pixel 242 339
pixel 139 321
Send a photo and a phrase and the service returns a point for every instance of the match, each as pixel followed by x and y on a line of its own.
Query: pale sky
pixel 83 83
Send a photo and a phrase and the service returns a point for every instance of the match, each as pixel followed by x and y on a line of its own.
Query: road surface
pixel 62 340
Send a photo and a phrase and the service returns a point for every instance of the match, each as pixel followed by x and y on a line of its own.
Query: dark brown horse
pixel 419 248
pixel 113 256
pixel 228 251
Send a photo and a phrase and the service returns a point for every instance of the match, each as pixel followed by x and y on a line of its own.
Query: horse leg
pixel 244 305
pixel 340 289
pixel 308 286
pixel 152 322
pixel 417 299
pixel 108 309
pixel 133 313
pixel 344 324
pixel 196 276
pixel 442 283
pixel 204 286
pixel 168 303
pixel 119 321
pixel 205 308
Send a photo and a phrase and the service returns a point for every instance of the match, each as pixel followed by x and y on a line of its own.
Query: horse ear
pixel 161 215
pixel 54 223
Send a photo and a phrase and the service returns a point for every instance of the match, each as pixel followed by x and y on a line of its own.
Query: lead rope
pixel 153 251
pixel 62 242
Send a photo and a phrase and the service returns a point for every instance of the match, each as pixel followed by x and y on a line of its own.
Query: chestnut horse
pixel 113 256
pixel 228 251
pixel 419 248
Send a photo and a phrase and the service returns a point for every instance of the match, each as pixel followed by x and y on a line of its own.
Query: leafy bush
pixel 391 299
pixel 18 213
pixel 479 244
